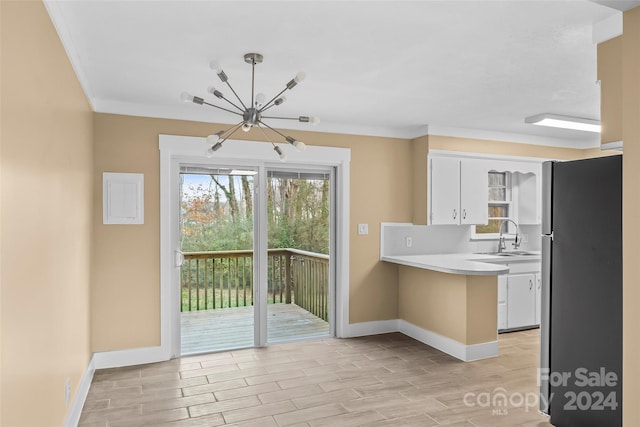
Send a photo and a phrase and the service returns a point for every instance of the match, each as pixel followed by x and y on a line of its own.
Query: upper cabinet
pixel 610 76
pixel 457 191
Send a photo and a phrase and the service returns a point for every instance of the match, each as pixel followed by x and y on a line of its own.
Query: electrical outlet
pixel 363 229
pixel 67 391
pixel 409 242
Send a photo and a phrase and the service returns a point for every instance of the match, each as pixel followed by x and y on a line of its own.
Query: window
pixel 499 204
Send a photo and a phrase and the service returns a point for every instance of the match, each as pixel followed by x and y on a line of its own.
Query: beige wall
pixel 630 217
pixel 125 293
pixel 610 76
pixel 46 205
pixel 463 308
pixel 419 152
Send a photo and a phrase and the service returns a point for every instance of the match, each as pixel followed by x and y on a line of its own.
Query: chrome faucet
pixel 501 243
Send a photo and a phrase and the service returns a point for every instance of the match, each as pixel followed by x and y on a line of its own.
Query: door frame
pixel 178 150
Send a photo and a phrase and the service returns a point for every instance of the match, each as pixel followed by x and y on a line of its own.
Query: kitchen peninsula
pixel 450 300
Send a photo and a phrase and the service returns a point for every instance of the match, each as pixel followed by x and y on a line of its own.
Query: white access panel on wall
pixel 122 198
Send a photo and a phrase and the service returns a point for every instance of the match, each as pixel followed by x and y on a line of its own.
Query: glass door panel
pixel 217 277
pixel 299 296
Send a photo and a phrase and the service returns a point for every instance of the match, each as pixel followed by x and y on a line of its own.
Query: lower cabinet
pixel 519 297
pixel 521 301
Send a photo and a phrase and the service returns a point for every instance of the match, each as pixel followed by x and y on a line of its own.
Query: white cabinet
pixel 457 191
pixel 474 192
pixel 444 194
pixel 521 300
pixel 519 296
pixel 527 191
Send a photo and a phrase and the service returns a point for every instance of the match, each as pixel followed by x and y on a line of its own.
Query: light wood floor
pixel 383 380
pixel 223 329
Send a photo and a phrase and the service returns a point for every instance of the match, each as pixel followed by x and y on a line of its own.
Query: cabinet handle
pixel 464 214
pixel 455 214
pixel 539 283
pixel 530 284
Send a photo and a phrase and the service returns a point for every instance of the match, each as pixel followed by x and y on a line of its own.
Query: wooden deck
pixel 224 329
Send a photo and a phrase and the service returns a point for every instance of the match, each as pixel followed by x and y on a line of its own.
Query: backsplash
pixel 440 239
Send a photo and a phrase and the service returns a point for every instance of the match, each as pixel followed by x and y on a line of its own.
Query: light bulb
pixel 299 77
pixel 211 152
pixel 299 145
pixel 186 97
pixel 246 127
pixel 314 120
pixel 260 98
pixel 280 100
pixel 215 66
pixel 211 90
pixel 212 139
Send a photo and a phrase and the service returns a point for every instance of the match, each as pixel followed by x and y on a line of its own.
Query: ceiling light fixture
pixel 252 115
pixel 564 122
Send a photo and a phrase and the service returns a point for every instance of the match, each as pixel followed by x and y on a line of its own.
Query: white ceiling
pixel 389 68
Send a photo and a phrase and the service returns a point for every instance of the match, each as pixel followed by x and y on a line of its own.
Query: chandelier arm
pixel 231 131
pixel 221 108
pixel 265 134
pixel 239 109
pixel 281 118
pixel 268 104
pixel 278 132
pixel 262 110
pixel 237 97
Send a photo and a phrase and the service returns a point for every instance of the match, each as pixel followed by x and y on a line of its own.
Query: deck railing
pixel 224 279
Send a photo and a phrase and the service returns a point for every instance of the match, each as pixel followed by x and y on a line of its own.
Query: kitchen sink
pixel 509 253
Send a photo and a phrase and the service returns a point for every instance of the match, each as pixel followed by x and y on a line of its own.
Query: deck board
pixel 223 329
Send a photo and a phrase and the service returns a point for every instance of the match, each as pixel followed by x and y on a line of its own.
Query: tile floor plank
pixel 374 381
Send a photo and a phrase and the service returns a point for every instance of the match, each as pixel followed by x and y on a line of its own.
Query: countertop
pixel 462 263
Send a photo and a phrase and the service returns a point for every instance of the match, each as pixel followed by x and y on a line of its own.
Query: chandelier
pixel 253 114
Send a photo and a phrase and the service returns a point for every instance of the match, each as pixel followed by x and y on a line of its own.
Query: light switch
pixel 363 229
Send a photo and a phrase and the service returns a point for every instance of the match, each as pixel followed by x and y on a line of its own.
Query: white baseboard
pixel 135 356
pixel 373 328
pixel 466 353
pixel 73 416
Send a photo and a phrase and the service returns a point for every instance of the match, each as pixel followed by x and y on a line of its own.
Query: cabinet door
pixel 444 194
pixel 538 298
pixel 474 192
pixel 521 300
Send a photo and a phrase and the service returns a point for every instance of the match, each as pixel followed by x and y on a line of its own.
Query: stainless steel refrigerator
pixel 581 325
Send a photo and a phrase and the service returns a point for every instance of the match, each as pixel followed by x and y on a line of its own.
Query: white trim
pixel 176 150
pixel 607 29
pixel 466 353
pixel 615 145
pixel 512 137
pixel 130 357
pixel 376 327
pixel 484 156
pixel 73 416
